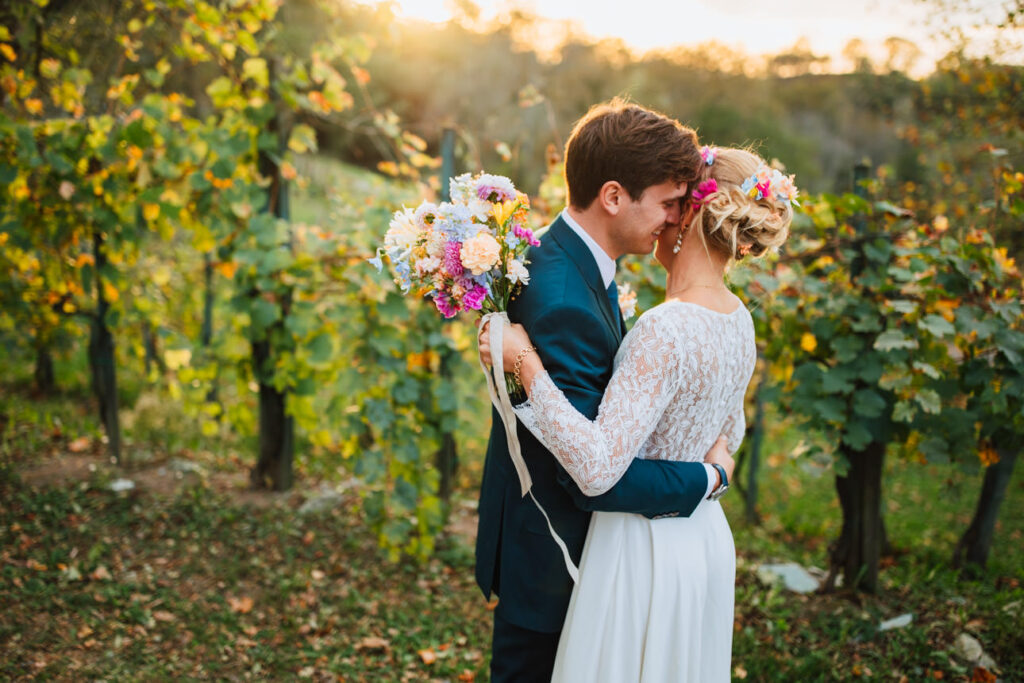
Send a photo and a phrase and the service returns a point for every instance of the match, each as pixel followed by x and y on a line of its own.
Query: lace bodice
pixel 680 377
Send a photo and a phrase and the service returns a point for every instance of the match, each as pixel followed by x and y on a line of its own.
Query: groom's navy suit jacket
pixel 568 315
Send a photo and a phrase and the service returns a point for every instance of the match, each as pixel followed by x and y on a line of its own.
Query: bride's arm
pixel 597 453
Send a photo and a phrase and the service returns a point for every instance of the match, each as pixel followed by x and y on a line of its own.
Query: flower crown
pixel 770 183
pixel 766 183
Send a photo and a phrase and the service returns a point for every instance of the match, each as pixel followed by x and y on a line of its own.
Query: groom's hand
pixel 719 455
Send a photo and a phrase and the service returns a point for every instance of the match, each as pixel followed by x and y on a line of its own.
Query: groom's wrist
pixel 714 479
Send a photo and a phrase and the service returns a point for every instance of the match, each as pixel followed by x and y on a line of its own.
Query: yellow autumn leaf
pixel 8 52
pixel 988 455
pixel 424 360
pixel 177 358
pixel 808 342
pixel 34 106
pixel 945 308
pixel 151 211
pixel 19 188
pixel 3 238
pixel 49 68
pixel 110 292
pixel 227 268
pixel 84 260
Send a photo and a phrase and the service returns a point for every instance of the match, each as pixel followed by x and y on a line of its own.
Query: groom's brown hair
pixel 630 144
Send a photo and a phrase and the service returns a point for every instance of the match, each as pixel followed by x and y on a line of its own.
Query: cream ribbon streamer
pixel 502 403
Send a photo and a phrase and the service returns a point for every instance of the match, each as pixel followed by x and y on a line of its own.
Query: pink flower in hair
pixel 705 190
pixel 708 154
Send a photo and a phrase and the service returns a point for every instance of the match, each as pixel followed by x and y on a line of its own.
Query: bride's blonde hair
pixel 732 222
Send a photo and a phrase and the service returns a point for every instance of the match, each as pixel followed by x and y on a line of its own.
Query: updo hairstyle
pixel 732 222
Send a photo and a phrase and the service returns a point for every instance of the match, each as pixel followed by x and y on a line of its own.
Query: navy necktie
pixel 613 297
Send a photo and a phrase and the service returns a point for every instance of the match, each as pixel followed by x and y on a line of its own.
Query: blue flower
pixel 376 262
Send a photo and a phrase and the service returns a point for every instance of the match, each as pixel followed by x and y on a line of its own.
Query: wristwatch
pixel 717 493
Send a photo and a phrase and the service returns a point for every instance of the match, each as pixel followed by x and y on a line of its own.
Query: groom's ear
pixel 612 196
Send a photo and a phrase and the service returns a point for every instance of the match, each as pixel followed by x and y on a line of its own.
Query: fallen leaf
pixel 80 444
pixel 427 656
pixel 739 672
pixel 101 573
pixel 241 605
pixel 373 644
pixel 85 632
pixel 983 675
pixel 163 615
pixel 317 575
pixel 467 676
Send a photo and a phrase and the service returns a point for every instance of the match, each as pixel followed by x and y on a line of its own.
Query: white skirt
pixel 654 602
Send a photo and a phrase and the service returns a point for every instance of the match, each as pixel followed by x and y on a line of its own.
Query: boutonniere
pixel 627 301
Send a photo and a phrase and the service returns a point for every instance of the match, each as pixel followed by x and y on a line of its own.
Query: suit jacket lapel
pixel 580 254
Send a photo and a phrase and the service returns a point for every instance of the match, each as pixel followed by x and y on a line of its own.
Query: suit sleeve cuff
pixel 711 479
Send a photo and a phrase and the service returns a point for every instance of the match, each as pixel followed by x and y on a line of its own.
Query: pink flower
pixel 452 260
pixel 708 154
pixel 474 298
pixel 445 305
pixel 704 190
pixel 526 235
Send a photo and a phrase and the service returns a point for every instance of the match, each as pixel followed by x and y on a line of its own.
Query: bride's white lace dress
pixel 654 602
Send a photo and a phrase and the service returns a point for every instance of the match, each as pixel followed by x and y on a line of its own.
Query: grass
pixel 194 582
pixel 132 586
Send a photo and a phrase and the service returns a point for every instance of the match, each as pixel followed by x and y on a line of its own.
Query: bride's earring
pixel 679 241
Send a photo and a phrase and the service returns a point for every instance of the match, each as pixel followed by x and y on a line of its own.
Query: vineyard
pixel 184 287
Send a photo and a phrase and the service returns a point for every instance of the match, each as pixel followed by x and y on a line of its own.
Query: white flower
pixel 517 272
pixel 404 230
pixel 427 265
pixel 480 208
pixel 435 244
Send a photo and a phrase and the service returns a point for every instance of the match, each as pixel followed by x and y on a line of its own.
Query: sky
pixel 755 26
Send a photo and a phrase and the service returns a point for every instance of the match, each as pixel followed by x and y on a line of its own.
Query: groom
pixel 627 170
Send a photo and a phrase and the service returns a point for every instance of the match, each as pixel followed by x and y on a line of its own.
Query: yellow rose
pixel 480 253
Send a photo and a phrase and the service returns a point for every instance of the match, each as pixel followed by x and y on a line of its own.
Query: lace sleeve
pixel 735 427
pixel 597 453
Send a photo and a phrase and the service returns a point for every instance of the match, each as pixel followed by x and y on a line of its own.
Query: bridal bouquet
pixel 466 254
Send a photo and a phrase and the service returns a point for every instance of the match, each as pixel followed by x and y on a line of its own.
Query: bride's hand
pixel 514 339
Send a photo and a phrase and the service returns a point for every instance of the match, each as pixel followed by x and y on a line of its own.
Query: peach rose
pixel 480 253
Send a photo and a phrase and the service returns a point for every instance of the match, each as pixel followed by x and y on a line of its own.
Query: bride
pixel 654 601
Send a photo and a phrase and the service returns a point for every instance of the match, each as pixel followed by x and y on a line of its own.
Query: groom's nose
pixel 672 215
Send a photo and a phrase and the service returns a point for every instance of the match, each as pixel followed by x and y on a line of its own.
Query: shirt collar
pixel 605 263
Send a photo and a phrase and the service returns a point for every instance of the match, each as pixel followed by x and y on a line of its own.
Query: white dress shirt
pixel 606 265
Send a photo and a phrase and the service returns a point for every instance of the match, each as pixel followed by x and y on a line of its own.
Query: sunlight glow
pixel 754 26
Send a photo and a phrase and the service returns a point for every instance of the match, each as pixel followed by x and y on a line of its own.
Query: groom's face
pixel 643 221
